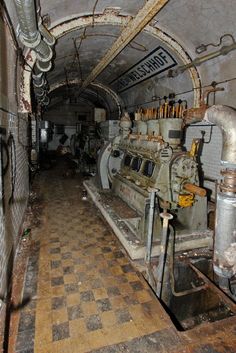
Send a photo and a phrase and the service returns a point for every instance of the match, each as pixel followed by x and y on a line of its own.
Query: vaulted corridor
pixel 117 176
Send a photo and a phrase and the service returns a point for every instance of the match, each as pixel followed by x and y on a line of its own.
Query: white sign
pixel 157 61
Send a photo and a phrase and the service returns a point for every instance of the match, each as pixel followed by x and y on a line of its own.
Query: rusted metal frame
pixel 134 26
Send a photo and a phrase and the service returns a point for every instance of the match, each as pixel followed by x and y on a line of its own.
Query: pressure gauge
pixel 166 154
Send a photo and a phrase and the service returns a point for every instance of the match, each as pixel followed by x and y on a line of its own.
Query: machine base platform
pixel 119 216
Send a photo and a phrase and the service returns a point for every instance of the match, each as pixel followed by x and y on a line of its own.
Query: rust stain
pixel 26 104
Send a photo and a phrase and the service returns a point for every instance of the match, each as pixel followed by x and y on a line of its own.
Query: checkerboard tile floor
pixel 85 294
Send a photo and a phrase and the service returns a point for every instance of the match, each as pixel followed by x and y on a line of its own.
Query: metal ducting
pixel 36 37
pixel 225 228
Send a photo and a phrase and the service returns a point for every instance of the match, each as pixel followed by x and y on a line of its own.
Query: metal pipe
pixel 150 226
pixel 30 35
pixel 47 36
pixel 26 14
pixel 160 269
pixel 224 262
pixel 39 80
pixel 200 60
pixel 225 118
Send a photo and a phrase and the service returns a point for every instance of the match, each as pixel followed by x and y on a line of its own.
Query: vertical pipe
pixel 150 226
pixel 160 269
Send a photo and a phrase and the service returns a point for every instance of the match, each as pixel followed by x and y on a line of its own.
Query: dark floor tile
pixel 106 249
pixel 87 296
pixel 97 283
pixel 55 250
pixel 54 240
pixel 57 281
pixel 207 348
pixel 78 261
pixel 113 291
pixel 127 268
pixel 123 316
pixel 91 267
pixel 121 279
pixel 105 272
pixel 111 263
pixel 66 256
pixel 137 285
pixel 30 304
pixel 68 269
pixel 55 264
pixel 26 351
pixel 27 321
pixel 25 340
pixel 93 323
pixel 130 300
pixel 104 304
pixel 82 276
pixel 71 288
pixel 58 303
pixel 118 254
pixel 75 312
pixel 61 331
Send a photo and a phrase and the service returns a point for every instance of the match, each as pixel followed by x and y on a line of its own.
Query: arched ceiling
pixel 188 23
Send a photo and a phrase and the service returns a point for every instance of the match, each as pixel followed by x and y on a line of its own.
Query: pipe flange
pixel 44 66
pixel 47 58
pixel 30 43
pixel 39 85
pixel 229 182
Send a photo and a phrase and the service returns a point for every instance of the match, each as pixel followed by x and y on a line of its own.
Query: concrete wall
pixel 11 214
pixel 68 114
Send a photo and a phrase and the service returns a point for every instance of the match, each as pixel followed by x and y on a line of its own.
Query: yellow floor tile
pixel 143 296
pixel 89 308
pixel 77 327
pixel 59 316
pixel 70 278
pixel 118 302
pixel 108 319
pixel 100 293
pixel 58 291
pixel 79 345
pixel 97 339
pixel 43 305
pixel 73 299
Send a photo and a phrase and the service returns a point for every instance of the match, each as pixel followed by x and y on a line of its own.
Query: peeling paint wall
pixel 16 175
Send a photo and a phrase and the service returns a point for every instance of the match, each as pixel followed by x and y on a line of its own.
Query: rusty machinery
pixel 150 156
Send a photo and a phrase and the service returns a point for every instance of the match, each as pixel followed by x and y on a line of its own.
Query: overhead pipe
pixel 29 34
pixel 39 80
pixel 36 37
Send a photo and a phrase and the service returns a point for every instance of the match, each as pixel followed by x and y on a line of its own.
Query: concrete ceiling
pixel 189 22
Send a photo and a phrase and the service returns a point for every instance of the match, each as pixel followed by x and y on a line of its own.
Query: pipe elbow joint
pixel 225 118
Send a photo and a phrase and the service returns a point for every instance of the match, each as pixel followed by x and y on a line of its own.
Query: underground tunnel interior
pixel 118 176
